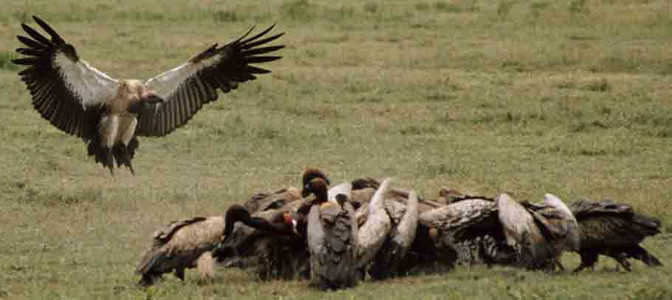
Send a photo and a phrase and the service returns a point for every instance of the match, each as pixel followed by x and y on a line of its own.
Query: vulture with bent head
pixel 183 244
pixel 615 230
pixel 109 114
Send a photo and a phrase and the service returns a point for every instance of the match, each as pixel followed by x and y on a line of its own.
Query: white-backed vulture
pixel 471 229
pixel 615 230
pixel 181 245
pixel 557 224
pixel 264 241
pixel 109 114
pixel 332 237
pixel 390 260
pixel 376 229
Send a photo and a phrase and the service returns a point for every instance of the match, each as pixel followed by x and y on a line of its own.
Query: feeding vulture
pixel 185 243
pixel 110 114
pixel 615 230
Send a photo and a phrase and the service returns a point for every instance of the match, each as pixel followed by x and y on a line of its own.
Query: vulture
pixel 264 237
pixel 615 230
pixel 110 114
pixel 185 243
pixel 539 232
pixel 331 236
pixel 471 230
pixel 390 260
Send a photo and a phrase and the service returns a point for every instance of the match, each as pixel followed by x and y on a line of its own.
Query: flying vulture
pixel 109 114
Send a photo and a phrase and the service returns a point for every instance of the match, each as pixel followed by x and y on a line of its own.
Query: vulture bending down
pixel 539 232
pixel 182 244
pixel 109 114
pixel 614 230
pixel 332 237
pixel 391 258
pixel 264 239
pixel 471 229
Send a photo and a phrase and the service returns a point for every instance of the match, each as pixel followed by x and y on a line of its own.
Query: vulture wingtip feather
pixel 258 35
pixel 48 29
pixel 244 35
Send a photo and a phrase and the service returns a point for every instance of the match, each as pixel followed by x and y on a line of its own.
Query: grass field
pixel 524 97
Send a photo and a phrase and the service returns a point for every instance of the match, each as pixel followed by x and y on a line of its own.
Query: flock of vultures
pixel 334 236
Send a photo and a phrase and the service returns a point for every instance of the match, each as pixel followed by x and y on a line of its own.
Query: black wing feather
pixel 216 68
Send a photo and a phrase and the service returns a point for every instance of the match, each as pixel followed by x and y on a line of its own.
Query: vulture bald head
pixel 309 174
pixel 109 114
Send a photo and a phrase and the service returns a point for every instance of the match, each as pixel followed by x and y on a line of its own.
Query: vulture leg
pixel 108 159
pixel 588 259
pixel 179 273
pixel 147 280
pixel 558 264
pixel 637 252
pixel 623 260
pixel 123 156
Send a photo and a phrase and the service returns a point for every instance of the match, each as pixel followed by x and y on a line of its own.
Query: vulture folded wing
pixel 521 231
pixel 187 87
pixel 164 234
pixel 572 235
pixel 459 217
pixel 66 90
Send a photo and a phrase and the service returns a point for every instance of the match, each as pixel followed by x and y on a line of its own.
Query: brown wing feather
pixel 181 243
pixel 610 224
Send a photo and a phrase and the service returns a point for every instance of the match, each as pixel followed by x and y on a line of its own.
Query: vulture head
pixel 318 187
pixel 309 174
pixel 138 96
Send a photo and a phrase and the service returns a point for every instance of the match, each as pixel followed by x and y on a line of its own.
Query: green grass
pixel 568 97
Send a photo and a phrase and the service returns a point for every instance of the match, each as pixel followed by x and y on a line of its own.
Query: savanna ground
pixel 525 97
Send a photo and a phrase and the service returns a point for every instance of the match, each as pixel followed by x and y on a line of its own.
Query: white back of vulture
pixel 572 238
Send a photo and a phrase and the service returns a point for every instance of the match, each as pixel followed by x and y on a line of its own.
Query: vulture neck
pixel 238 213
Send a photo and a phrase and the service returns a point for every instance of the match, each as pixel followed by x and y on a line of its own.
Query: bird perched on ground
pixel 182 244
pixel 471 228
pixel 331 236
pixel 110 114
pixel 539 232
pixel 615 230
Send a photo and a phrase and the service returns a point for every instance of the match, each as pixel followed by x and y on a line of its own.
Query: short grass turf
pixel 525 97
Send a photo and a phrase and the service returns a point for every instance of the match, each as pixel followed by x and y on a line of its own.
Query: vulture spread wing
pixel 187 87
pixel 66 90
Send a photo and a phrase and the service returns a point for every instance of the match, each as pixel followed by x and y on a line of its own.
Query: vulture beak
pixel 151 97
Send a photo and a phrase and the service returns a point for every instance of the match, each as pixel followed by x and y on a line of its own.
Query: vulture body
pixel 182 244
pixel 613 229
pixel 539 232
pixel 376 229
pixel 391 258
pixel 110 114
pixel 265 239
pixel 471 229
pixel 332 238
